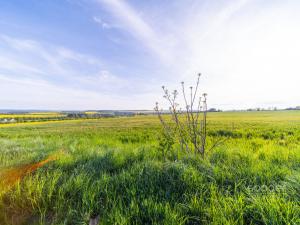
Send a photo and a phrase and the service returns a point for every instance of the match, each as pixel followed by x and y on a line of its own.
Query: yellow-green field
pixel 67 172
pixel 32 115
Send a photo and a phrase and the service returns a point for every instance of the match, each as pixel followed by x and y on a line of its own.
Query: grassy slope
pixel 112 168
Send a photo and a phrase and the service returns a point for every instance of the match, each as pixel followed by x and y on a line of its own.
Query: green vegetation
pixel 117 169
pixel 31 117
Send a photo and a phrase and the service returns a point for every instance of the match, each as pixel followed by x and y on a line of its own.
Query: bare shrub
pixel 189 125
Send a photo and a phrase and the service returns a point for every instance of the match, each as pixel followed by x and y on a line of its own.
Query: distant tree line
pixel 273 109
pixel 295 108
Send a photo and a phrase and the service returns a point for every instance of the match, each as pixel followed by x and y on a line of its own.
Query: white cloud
pixel 40 94
pixel 33 76
pixel 248 55
pixel 138 27
pixel 12 65
pixel 247 50
pixel 29 57
pixel 104 82
pixel 224 15
pixel 103 24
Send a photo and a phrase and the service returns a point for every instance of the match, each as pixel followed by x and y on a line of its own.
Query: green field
pixel 32 115
pixel 66 172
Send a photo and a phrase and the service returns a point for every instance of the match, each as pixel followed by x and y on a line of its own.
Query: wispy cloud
pixel 222 16
pixel 62 67
pixel 138 27
pixel 32 64
pixel 12 65
pixel 40 94
pixel 34 57
pixel 103 24
pixel 247 50
pixel 28 93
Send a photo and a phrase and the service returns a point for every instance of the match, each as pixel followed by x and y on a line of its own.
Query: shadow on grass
pixel 136 188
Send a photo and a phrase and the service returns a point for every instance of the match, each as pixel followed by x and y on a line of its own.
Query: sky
pixel 116 54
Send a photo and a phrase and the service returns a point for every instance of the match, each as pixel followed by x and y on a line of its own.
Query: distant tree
pixel 212 110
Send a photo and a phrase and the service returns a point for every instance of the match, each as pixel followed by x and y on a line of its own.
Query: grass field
pixel 66 172
pixel 32 115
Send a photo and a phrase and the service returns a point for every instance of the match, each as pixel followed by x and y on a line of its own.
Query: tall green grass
pixel 113 168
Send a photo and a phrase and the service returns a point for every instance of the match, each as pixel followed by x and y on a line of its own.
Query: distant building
pixel 8 120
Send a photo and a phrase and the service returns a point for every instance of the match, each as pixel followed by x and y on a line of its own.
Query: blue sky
pixel 116 54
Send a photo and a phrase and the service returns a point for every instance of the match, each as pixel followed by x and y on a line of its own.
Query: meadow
pixel 10 118
pixel 113 169
pixel 32 115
